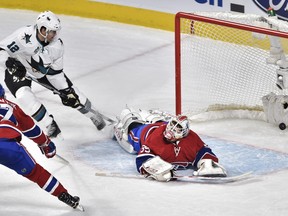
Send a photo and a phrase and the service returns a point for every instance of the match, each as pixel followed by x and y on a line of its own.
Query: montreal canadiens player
pixel 164 143
pixel 36 52
pixel 13 155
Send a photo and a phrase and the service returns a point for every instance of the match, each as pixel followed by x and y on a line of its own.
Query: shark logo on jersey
pixel 38 66
pixel 27 38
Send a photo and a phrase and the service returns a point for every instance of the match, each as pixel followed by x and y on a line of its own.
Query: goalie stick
pixel 186 178
pixel 55 91
pixel 214 180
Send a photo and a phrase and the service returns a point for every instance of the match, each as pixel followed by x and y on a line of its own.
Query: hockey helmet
pixel 177 128
pixel 48 20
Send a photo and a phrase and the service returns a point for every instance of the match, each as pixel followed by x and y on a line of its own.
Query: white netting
pixel 224 68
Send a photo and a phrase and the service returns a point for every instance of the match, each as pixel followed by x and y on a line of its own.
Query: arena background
pixel 150 13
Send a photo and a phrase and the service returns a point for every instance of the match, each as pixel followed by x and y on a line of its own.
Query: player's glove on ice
pixel 49 149
pixel 15 68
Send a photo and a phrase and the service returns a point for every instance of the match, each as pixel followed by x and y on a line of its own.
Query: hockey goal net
pixel 221 63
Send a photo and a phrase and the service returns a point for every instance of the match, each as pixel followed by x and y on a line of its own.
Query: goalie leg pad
pixel 122 138
pixel 158 169
pixel 129 116
pixel 131 141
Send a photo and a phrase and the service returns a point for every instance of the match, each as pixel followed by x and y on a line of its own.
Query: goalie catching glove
pixel 157 169
pixel 15 68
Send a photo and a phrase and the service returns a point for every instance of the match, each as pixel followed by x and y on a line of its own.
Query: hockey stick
pixel 63 160
pixel 186 178
pixel 62 95
pixel 120 175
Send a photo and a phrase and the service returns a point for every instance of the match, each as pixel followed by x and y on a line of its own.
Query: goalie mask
pixel 50 21
pixel 177 128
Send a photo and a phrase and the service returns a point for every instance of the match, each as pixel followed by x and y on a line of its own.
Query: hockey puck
pixel 282 126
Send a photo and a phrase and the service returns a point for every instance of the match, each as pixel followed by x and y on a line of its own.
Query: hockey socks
pixel 46 180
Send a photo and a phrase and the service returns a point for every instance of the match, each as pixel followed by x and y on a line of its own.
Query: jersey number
pixel 13 47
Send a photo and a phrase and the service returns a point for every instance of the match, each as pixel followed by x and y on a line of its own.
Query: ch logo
pixel 177 150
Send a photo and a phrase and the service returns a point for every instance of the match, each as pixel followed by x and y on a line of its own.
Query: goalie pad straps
pixel 158 169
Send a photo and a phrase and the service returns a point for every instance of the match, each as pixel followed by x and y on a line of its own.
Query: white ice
pixel 114 65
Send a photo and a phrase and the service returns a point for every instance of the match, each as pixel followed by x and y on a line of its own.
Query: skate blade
pixel 80 207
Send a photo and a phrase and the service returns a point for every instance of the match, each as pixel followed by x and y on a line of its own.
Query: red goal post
pixel 188 25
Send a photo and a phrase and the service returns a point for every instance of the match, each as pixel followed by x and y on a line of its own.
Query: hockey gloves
pixel 209 168
pixel 15 68
pixel 157 169
pixel 69 97
pixel 49 149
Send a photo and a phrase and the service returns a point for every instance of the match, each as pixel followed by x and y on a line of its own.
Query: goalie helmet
pixel 48 20
pixel 177 128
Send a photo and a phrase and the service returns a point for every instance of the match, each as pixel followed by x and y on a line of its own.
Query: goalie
pixel 164 143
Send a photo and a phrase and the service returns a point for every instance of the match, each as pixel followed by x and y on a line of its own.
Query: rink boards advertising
pixel 150 13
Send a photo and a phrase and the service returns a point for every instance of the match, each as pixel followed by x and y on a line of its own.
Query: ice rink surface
pixel 113 65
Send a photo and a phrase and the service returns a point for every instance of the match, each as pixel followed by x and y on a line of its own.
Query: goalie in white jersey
pixel 35 52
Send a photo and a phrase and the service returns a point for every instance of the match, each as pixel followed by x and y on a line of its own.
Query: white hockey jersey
pixel 40 59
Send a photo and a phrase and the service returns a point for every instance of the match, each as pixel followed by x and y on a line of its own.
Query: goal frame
pixel 195 17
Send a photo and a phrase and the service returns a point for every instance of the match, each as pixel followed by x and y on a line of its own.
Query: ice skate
pixel 70 200
pixel 53 130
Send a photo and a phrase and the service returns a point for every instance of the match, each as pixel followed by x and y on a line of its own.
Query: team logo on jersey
pixel 23 170
pixel 279 6
pixel 27 38
pixel 177 150
pixel 38 66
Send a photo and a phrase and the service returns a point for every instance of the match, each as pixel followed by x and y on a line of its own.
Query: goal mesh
pixel 223 67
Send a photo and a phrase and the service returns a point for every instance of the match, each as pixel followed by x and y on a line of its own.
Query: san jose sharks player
pixel 164 143
pixel 35 52
pixel 13 155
